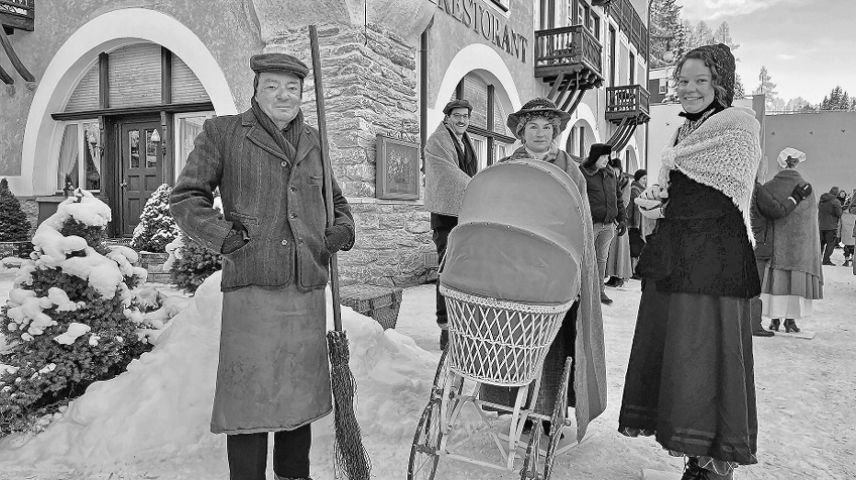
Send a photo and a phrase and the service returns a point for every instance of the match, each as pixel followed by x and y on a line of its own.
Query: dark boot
pixel 614 282
pixel 604 299
pixel 774 324
pixel 692 471
pixel 791 326
pixel 762 333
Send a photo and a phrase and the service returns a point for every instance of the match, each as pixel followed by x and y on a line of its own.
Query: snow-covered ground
pixel 152 422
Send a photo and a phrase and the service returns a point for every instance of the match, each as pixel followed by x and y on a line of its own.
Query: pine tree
pixel 156 227
pixel 68 317
pixel 14 225
pixel 767 88
pixel 739 90
pixel 667 33
pixel 723 35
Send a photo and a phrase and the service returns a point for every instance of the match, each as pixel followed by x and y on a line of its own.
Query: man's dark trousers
pixel 827 244
pixel 247 454
pixel 441 225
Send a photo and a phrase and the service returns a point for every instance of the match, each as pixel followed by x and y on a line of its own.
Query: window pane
pixel 188 129
pixel 151 151
pixel 134 145
pixel 92 155
pixel 67 171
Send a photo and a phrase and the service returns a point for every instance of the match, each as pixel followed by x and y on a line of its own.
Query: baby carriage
pixel 511 272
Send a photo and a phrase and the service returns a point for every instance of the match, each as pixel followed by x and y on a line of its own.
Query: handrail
pixel 627 99
pixel 567 45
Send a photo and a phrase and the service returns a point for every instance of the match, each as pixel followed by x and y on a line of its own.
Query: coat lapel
pixel 260 137
pixel 307 143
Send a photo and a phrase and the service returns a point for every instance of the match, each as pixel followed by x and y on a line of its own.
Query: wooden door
pixel 140 172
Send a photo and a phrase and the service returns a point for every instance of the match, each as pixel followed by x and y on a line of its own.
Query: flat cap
pixel 460 103
pixel 278 62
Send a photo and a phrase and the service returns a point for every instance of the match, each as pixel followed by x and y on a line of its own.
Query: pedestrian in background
pixel 767 208
pixel 450 162
pixel 606 203
pixel 690 377
pixel 635 219
pixel 829 214
pixel 618 265
pixel 846 228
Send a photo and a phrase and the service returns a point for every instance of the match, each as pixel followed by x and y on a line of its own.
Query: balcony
pixel 568 58
pixel 627 104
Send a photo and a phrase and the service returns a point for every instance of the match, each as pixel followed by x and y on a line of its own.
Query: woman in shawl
pixel 793 277
pixel 690 379
pixel 537 125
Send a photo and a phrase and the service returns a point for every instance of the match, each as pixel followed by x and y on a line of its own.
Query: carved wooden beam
pixel 553 91
pixel 5 77
pixel 16 62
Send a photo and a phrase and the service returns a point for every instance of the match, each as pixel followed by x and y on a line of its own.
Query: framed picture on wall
pixel 397 172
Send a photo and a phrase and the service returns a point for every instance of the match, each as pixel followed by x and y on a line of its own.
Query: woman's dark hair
pixel 616 163
pixel 792 162
pixel 720 94
pixel 639 174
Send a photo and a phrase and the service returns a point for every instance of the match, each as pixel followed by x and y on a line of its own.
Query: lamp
pixel 156 136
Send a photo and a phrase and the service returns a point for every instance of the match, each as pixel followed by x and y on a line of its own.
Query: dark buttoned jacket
pixel 279 200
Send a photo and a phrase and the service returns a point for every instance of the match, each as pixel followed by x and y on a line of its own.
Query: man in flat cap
pixel 450 162
pixel 273 374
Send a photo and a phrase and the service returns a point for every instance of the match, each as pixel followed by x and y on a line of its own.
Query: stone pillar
pixel 370 88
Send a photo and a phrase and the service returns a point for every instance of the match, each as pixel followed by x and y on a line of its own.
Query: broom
pixel 351 456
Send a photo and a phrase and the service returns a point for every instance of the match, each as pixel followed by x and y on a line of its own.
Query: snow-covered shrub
pixel 193 263
pixel 69 319
pixel 14 225
pixel 157 227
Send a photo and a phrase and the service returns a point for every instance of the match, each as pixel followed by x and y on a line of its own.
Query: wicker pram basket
pixel 499 342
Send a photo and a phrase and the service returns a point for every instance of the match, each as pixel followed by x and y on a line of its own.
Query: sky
pixel 808 47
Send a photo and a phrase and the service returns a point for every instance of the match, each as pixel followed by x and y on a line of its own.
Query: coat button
pixel 293 215
pixel 293 188
pixel 284 242
pixel 284 163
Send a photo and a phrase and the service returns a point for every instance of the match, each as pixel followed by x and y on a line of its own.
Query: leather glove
pixel 236 238
pixel 621 229
pixel 338 237
pixel 801 191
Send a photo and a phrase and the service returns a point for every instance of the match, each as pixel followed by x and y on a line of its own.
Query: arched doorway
pixel 580 137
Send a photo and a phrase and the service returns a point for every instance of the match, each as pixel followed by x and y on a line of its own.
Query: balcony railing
pixel 626 102
pixel 559 48
pixel 629 22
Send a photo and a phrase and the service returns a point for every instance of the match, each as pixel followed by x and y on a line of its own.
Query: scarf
pixel 722 152
pixel 288 138
pixel 467 161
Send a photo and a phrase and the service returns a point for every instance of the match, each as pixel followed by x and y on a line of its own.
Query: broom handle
pixel 328 170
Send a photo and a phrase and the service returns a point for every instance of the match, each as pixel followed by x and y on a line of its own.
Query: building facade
pixel 118 91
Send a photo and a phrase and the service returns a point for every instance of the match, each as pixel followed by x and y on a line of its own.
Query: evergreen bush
pixel 14 225
pixel 157 227
pixel 193 264
pixel 68 318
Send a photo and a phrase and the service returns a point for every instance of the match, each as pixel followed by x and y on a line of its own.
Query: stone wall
pixel 370 88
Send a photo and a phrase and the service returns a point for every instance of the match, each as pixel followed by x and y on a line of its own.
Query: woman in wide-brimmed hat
pixel 537 125
pixel 690 377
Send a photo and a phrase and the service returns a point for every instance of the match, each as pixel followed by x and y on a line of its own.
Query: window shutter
pixel 186 88
pixel 85 96
pixel 135 76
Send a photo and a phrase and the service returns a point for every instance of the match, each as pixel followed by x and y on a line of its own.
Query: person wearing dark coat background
pixel 635 219
pixel 828 215
pixel 766 207
pixel 607 205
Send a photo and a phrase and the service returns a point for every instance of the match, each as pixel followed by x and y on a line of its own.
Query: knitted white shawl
pixel 723 153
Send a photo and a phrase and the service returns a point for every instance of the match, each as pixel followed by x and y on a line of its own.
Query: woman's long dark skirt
pixel 690 378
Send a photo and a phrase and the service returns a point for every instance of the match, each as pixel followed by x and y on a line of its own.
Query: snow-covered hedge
pixel 157 227
pixel 69 317
pixel 192 264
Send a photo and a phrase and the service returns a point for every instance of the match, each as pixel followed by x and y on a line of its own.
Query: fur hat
pixel 596 151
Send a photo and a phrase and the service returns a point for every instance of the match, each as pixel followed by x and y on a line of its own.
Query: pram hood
pixel 519 235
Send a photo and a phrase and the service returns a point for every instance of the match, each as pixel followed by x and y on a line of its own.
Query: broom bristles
pixel 351 457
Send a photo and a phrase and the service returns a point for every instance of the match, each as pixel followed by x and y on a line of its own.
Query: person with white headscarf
pixel 793 278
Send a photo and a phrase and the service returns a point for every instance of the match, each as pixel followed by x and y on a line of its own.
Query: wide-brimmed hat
pixel 790 152
pixel 535 107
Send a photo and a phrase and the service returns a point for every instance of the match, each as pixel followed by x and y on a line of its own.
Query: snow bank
pixel 161 407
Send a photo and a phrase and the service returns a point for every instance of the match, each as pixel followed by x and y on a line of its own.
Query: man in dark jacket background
pixel 606 203
pixel 828 214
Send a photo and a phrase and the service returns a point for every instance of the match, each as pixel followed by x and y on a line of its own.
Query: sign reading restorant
pixel 482 19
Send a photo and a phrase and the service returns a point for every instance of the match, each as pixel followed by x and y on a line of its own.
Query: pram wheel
pixel 560 411
pixel 424 453
pixel 533 449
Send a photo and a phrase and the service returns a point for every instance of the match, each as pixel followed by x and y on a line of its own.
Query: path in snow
pixel 152 421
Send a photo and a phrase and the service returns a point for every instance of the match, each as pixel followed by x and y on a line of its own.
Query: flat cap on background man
pixel 461 103
pixel 278 62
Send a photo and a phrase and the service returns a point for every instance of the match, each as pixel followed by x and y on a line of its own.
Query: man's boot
pixel 604 299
